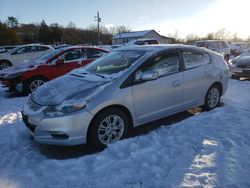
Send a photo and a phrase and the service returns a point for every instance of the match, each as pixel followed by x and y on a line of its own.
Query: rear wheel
pixel 109 126
pixel 212 98
pixel 31 85
pixel 4 64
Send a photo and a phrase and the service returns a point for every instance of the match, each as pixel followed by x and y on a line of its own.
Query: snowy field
pixel 208 149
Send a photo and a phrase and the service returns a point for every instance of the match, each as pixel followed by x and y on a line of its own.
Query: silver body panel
pixel 145 102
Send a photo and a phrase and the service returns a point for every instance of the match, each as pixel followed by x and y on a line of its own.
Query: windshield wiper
pixel 100 75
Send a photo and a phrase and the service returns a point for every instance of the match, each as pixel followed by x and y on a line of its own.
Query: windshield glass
pixel 114 62
pixel 14 49
pixel 46 56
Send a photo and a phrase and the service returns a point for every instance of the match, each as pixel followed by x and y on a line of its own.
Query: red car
pixel 28 76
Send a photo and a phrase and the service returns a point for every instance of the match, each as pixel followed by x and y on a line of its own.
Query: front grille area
pixel 243 66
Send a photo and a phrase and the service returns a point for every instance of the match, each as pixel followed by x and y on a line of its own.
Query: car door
pixel 20 55
pixel 158 98
pixel 195 78
pixel 33 53
pixel 70 60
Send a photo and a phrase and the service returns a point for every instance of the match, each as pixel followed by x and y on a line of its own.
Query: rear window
pixel 194 59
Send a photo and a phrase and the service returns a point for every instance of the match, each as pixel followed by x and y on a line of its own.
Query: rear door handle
pixel 176 83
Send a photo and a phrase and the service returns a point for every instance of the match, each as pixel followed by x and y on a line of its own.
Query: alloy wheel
pixel 35 84
pixel 111 129
pixel 213 97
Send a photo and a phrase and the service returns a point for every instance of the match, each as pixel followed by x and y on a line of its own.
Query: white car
pixel 220 46
pixel 21 53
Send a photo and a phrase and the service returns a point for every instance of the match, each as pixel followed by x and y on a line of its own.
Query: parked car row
pixel 100 102
pixel 220 46
pixel 237 48
pixel 26 77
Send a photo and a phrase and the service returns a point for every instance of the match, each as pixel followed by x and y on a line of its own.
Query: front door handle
pixel 176 83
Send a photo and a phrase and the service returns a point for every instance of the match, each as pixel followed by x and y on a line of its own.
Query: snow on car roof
pixel 160 47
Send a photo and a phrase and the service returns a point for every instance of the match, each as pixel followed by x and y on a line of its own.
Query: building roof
pixel 132 34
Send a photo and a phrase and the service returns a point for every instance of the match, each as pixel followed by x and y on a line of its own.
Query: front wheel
pixel 32 85
pixel 212 98
pixel 109 126
pixel 4 64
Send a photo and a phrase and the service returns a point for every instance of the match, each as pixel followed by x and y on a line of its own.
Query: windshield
pixel 114 62
pixel 14 49
pixel 46 56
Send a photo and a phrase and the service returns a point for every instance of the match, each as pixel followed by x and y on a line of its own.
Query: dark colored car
pixel 240 66
pixel 27 77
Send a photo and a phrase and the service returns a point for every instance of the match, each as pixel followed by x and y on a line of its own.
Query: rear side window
pixel 193 59
pixel 93 53
pixel 165 65
pixel 212 45
pixel 153 42
pixel 42 48
pixel 33 49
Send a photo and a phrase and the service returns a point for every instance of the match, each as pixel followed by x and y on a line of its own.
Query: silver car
pixel 129 87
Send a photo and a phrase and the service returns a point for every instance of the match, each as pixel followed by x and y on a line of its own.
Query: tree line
pixel 12 32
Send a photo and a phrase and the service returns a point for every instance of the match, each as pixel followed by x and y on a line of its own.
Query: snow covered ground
pixel 209 149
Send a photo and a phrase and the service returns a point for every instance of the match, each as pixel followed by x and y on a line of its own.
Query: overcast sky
pixel 165 16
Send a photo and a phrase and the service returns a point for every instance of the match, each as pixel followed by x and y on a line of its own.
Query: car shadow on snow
pixel 10 94
pixel 68 152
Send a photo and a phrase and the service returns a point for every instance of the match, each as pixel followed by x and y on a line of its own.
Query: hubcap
pixel 35 84
pixel 213 97
pixel 110 129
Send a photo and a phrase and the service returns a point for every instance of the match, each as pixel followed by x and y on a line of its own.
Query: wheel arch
pixel 115 106
pixel 37 76
pixel 6 60
pixel 29 79
pixel 219 85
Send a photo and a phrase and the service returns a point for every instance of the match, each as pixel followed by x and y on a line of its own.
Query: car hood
pixel 22 67
pixel 68 87
pixel 242 60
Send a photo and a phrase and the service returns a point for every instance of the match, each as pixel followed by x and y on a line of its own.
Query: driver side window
pixel 165 65
pixel 72 55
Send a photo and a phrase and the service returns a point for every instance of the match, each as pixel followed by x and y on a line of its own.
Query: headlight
pixel 230 63
pixel 65 107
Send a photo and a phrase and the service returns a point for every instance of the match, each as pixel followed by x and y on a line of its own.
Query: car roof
pixel 80 47
pixel 207 41
pixel 160 47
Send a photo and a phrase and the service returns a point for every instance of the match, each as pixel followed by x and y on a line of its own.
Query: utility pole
pixel 98 20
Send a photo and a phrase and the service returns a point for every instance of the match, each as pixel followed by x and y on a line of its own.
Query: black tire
pixel 4 64
pixel 28 85
pixel 227 57
pixel 208 105
pixel 96 129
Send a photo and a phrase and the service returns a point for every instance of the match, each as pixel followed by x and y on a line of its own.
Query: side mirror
pixel 146 76
pixel 59 62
